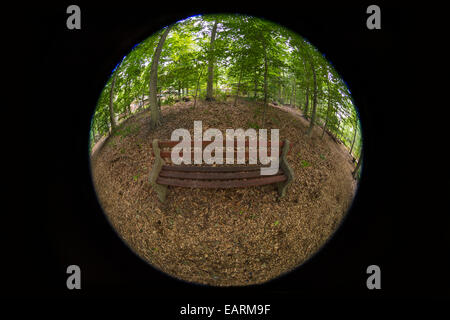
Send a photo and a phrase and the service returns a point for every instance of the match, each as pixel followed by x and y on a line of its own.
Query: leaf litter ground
pixel 224 237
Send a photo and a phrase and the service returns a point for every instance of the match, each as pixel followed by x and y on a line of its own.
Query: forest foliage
pixel 236 56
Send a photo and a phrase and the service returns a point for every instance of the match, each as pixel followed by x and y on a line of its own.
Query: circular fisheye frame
pixel 225 150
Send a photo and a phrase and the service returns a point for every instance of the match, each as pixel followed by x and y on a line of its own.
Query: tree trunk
pixel 216 81
pixel 291 94
pixel 238 86
pixel 295 94
pixel 111 103
pixel 209 86
pixel 279 95
pixel 355 172
pixel 305 110
pixel 328 111
pixel 313 114
pixel 196 89
pixel 337 130
pixel 354 137
pixel 154 109
pixel 256 83
pixel 159 101
pixel 265 82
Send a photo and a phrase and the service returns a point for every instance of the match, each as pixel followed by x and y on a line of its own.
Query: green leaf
pixel 305 163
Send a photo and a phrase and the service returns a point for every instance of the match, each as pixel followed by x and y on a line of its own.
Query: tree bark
pixel 355 172
pixel 256 83
pixel 354 137
pixel 209 86
pixel 328 111
pixel 280 101
pixel 154 108
pixel 265 81
pixel 291 96
pixel 337 130
pixel 313 114
pixel 305 110
pixel 295 94
pixel 196 89
pixel 238 86
pixel 159 101
pixel 111 103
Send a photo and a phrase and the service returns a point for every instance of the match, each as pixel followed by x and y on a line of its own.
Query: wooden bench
pixel 164 175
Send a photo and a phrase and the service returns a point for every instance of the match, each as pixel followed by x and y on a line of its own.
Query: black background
pixel 55 220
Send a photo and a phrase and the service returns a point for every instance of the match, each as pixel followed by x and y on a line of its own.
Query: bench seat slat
pixel 170 143
pixel 211 169
pixel 168 154
pixel 212 175
pixel 221 183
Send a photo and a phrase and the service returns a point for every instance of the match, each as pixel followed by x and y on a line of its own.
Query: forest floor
pixel 224 237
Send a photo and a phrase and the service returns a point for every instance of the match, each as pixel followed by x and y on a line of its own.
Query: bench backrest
pixel 166 146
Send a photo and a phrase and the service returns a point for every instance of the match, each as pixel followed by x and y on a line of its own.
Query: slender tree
pixel 306 80
pixel 209 86
pixel 255 90
pixel 358 165
pixel 154 108
pixel 294 94
pixel 263 41
pixel 238 87
pixel 196 89
pixel 314 107
pixel 305 109
pixel 112 117
pixel 328 110
pixel 355 128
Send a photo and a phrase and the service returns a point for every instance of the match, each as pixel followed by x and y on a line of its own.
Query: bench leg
pixel 160 189
pixel 282 186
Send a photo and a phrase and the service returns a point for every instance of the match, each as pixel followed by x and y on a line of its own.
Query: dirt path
pixel 299 115
pixel 296 112
pixel 99 144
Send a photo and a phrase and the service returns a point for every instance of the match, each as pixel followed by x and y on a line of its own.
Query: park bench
pixel 164 175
